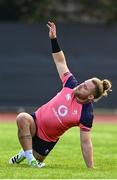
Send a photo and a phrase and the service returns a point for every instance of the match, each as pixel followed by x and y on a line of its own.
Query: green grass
pixel 65 161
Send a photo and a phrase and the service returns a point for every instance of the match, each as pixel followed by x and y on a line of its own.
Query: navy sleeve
pixel 71 82
pixel 87 115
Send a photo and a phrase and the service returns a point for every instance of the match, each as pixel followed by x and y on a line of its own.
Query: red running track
pixel 98 118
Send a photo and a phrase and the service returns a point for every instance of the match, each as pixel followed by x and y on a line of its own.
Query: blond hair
pixel 102 87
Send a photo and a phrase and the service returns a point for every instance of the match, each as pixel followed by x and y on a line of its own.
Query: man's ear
pixel 91 97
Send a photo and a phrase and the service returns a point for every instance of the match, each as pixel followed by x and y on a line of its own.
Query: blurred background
pixel 87 32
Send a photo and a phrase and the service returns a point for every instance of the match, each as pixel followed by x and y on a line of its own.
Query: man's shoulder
pixel 87 115
pixel 87 110
pixel 71 82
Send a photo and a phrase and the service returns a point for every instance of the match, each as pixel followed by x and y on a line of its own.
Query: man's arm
pixel 57 54
pixel 87 148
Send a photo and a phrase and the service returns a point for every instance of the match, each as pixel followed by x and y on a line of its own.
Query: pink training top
pixel 59 114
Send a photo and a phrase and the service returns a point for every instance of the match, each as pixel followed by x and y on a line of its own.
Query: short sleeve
pixel 69 80
pixel 86 119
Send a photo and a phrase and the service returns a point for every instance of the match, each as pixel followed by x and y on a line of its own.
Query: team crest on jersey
pixel 62 110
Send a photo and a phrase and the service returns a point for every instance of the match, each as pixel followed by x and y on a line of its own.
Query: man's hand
pixel 52 30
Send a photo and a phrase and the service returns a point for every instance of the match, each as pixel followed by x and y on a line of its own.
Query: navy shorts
pixel 39 145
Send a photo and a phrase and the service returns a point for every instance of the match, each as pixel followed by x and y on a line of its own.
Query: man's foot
pixel 17 158
pixel 36 164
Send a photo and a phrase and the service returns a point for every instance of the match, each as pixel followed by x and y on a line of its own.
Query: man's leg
pixel 39 158
pixel 26 130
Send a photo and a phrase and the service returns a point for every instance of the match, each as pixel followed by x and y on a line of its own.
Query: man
pixel 72 106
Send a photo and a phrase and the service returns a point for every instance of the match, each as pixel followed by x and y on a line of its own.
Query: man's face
pixel 85 89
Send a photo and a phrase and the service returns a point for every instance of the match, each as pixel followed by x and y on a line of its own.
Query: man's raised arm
pixel 57 53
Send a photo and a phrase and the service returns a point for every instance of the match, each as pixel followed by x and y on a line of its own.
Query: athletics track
pixel 98 118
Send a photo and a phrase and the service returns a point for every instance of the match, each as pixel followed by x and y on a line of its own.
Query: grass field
pixel 65 161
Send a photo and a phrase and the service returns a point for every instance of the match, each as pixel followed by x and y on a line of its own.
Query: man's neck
pixel 81 101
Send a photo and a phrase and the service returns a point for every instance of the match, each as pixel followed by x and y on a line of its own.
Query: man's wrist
pixel 55 45
pixel 53 37
pixel 90 165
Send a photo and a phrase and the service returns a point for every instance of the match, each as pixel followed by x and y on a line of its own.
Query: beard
pixel 81 98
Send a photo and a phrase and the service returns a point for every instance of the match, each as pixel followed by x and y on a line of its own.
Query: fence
pixel 28 76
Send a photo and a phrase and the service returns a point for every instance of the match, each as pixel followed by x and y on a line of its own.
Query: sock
pixel 22 153
pixel 29 155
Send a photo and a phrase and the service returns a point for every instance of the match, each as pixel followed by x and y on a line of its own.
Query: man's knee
pixel 23 118
pixel 26 122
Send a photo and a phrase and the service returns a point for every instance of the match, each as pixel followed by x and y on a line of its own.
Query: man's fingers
pixel 48 26
pixel 52 29
pixel 51 24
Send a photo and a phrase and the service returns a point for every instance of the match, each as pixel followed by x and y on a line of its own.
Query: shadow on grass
pixel 24 166
pixel 47 167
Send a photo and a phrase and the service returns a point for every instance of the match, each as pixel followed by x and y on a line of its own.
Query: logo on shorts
pixel 46 151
